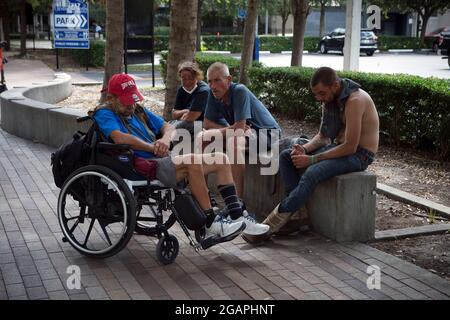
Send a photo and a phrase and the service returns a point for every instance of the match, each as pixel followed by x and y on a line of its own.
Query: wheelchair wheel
pixel 167 249
pixel 148 228
pixel 96 211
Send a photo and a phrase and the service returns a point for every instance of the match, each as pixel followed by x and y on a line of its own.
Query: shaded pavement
pixel 34 260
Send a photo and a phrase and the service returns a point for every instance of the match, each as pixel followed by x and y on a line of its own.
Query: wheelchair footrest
pixel 208 243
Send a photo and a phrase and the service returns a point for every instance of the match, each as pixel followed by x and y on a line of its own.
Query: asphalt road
pixel 421 64
pixel 424 65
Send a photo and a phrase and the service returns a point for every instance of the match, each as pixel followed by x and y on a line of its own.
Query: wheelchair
pixel 104 202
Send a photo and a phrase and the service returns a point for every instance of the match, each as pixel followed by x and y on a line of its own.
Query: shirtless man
pixel 347 142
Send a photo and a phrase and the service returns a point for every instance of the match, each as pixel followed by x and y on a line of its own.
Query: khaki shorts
pixel 166 172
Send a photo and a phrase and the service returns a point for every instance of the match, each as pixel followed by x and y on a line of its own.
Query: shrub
pixel 96 54
pixel 274 44
pixel 204 60
pixel 277 44
pixel 231 43
pixel 411 109
pixel 396 42
pixel 161 43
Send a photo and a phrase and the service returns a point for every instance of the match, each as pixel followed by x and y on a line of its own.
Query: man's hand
pixel 184 116
pixel 161 148
pixel 297 150
pixel 301 161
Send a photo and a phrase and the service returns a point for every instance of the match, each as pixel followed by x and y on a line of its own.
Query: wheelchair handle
pixel 83 119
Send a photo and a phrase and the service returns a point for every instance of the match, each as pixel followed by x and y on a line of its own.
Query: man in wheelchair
pixel 122 120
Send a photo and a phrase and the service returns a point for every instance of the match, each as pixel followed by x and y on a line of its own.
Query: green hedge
pixel 274 44
pixel 411 109
pixel 96 54
pixel 204 60
pixel 396 42
pixel 97 51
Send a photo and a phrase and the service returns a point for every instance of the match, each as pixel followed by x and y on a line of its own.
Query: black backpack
pixel 71 155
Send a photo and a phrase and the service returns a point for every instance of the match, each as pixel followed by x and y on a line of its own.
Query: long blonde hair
pixel 110 103
pixel 193 68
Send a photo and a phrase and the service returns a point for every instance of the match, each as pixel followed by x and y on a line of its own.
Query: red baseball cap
pixel 124 87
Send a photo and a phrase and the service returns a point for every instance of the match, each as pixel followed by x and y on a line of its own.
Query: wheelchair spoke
pixel 89 232
pixel 74 226
pixel 105 232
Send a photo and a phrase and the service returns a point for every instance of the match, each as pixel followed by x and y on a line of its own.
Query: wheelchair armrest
pixel 113 146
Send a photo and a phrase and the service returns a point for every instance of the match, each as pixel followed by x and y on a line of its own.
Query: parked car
pixel 335 41
pixel 436 37
pixel 444 42
pixel 445 46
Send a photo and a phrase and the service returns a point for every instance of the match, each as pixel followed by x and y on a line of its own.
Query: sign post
pixel 71 24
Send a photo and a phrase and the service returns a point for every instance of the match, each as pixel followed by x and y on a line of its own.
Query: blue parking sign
pixel 71 24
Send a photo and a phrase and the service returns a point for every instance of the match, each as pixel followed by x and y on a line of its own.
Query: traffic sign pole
pixel 57 59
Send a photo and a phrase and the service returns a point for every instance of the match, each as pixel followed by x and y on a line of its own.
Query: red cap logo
pixel 124 87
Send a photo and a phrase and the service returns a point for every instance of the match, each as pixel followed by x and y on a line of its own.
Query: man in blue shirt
pixel 234 107
pixel 124 121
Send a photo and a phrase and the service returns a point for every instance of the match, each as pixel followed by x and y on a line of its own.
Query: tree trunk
pixel 248 41
pixel 2 33
pixel 419 16
pixel 283 25
pixel 115 10
pixel 198 45
pixel 322 20
pixel 7 30
pixel 425 19
pixel 182 40
pixel 300 11
pixel 23 28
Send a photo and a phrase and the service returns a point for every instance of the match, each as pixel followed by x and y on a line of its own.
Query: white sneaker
pixel 224 228
pixel 252 226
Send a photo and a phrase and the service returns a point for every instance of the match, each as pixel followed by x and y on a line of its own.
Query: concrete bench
pixel 342 208
pixel 29 112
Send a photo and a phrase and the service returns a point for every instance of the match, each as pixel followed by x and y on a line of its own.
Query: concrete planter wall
pixel 29 113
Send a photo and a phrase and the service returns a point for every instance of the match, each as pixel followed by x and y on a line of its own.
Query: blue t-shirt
pixel 243 106
pixel 108 122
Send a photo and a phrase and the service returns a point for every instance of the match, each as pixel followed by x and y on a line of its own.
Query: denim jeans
pixel 300 184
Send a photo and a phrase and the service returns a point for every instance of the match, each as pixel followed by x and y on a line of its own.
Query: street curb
pixel 403 196
pixel 290 52
pixel 219 52
pixel 401 50
pixel 395 234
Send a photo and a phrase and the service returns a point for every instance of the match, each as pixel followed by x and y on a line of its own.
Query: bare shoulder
pixel 360 98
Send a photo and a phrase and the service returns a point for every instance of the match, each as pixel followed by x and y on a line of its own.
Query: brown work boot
pixel 276 220
pixel 298 222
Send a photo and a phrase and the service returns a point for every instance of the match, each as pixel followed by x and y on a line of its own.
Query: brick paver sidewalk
pixel 34 260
